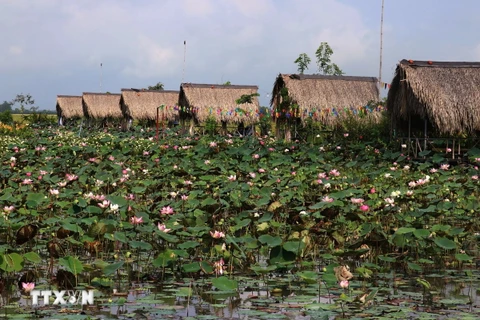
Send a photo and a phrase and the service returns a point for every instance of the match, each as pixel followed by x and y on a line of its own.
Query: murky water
pixel 450 295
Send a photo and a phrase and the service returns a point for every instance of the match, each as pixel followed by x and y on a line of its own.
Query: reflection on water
pixel 284 296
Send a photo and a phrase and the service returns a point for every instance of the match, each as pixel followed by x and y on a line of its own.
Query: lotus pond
pixel 221 227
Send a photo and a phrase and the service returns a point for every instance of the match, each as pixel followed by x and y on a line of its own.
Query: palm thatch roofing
pixel 101 105
pixel 444 93
pixel 143 104
pixel 69 106
pixel 320 97
pixel 219 101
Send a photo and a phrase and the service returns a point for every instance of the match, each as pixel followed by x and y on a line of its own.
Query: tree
pixel 302 61
pixel 6 106
pixel 325 64
pixel 158 87
pixel 24 100
pixel 228 83
pixel 246 98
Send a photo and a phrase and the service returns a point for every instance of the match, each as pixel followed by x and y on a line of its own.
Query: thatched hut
pixel 101 105
pixel 68 107
pixel 320 97
pixel 143 104
pixel 201 101
pixel 440 96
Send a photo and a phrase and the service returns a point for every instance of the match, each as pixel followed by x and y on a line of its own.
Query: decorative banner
pixel 385 85
pixel 296 112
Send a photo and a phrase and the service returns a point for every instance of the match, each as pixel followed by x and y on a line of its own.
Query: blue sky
pixel 50 47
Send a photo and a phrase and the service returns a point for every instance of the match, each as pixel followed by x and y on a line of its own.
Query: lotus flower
pixel 167 210
pixel 217 234
pixel 163 228
pixel 344 284
pixel 364 207
pixel 136 220
pixel 28 286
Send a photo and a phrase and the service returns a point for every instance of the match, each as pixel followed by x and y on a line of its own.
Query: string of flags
pixel 318 113
pixel 385 85
pixel 315 113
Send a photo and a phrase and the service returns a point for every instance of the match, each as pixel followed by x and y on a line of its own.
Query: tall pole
pixel 184 57
pixel 101 75
pixel 381 52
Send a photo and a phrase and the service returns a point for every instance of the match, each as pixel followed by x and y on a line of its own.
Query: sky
pixel 58 47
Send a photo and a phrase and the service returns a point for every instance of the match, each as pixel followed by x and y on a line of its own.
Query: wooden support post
pixel 453 149
pixel 425 135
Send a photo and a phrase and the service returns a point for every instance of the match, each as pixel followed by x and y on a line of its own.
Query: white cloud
pixel 198 8
pixel 15 50
pixel 149 59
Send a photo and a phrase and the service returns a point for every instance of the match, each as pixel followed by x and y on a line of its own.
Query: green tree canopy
pixel 158 87
pixel 325 64
pixel 302 62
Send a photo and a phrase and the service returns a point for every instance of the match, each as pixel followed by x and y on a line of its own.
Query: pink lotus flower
pixel 364 207
pixel 71 177
pixel 433 170
pixel 252 175
pixel 448 150
pixel 146 153
pixel 54 192
pixel 43 172
pixel 104 204
pixel 327 199
pixel 8 209
pixel 219 266
pixel 294 173
pixel 344 284
pixel 261 170
pixel 184 197
pixel 28 286
pixel 232 178
pixel 357 200
pixel 163 228
pixel 271 149
pixel 167 210
pixel 444 166
pixel 345 135
pixel 27 181
pixel 217 234
pixel 475 177
pixel 136 220
pixel 29 174
pixel 322 175
pixel 334 172
pixel 256 156
pixel 188 182
pixel 92 160
pixel 373 190
pixel 111 158
pixel 213 144
pixel 207 162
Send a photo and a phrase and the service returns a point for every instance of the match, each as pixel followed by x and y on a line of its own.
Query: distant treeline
pixel 7 106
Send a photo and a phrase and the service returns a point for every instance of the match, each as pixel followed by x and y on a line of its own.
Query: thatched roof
pixel 445 93
pixel 321 97
pixel 143 104
pixel 219 101
pixel 69 106
pixel 101 105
